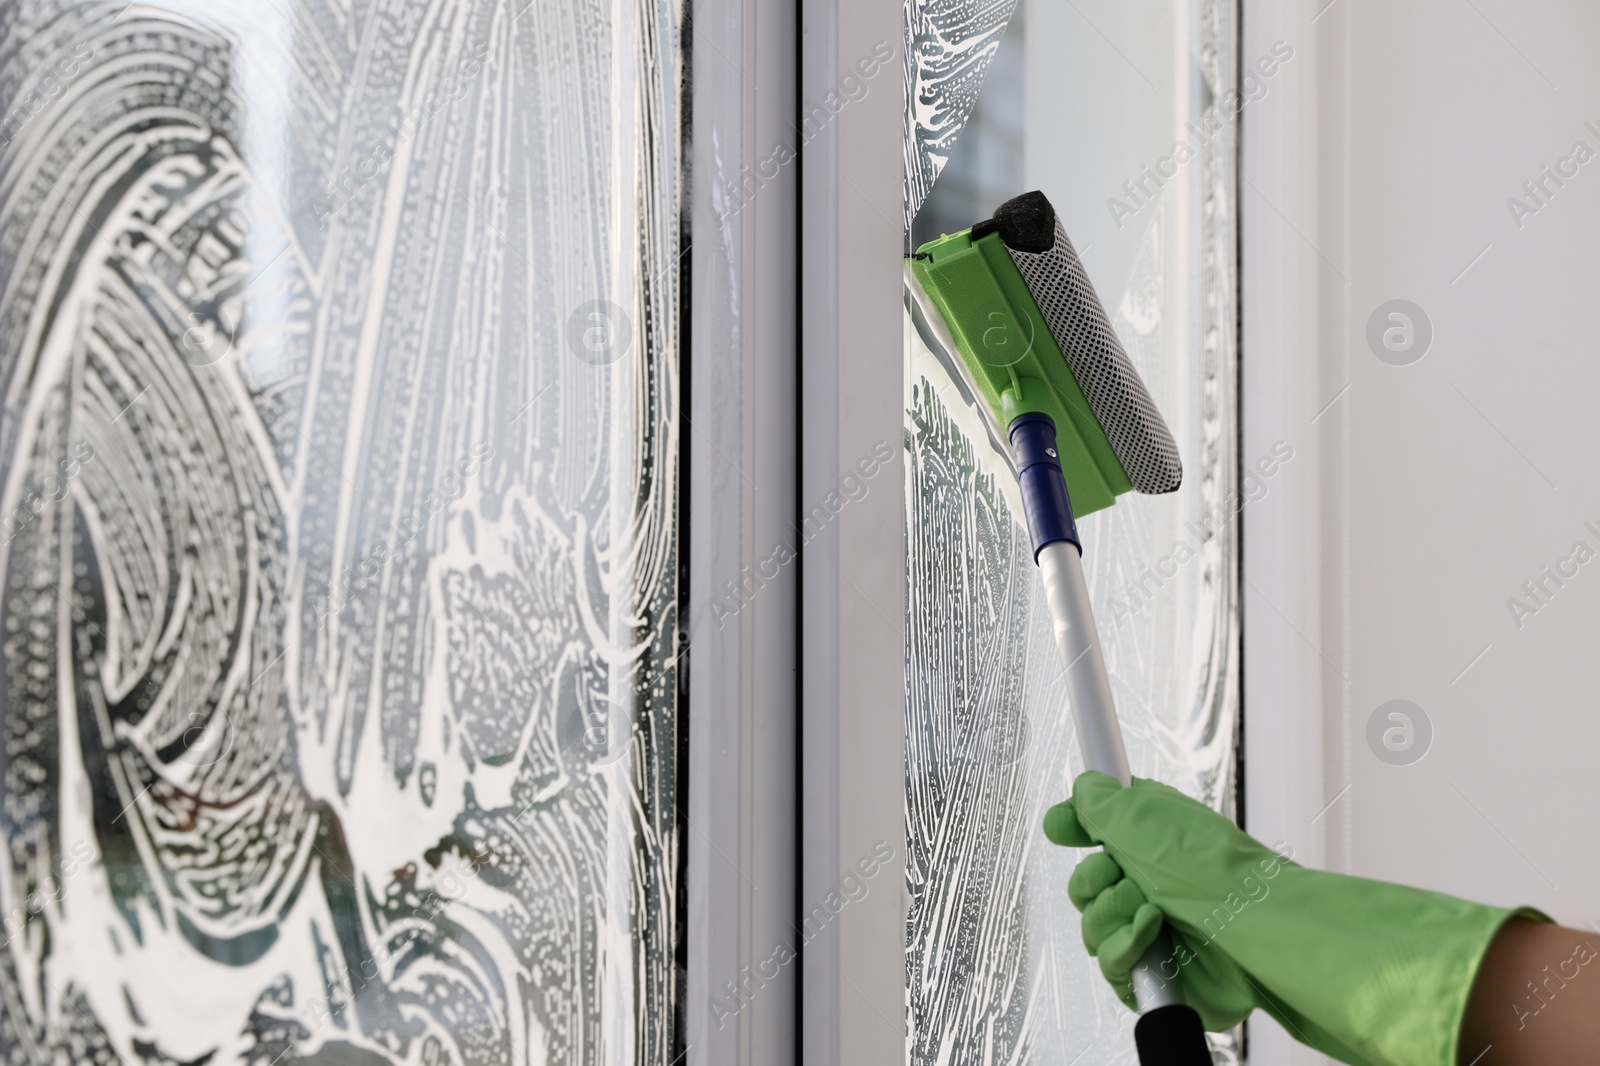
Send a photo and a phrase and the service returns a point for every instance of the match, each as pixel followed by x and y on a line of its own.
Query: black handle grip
pixel 1172 1036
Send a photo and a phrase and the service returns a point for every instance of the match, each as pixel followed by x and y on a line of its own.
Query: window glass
pixel 338 548
pixel 1084 101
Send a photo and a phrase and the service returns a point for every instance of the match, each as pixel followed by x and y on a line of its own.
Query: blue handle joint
pixel 1044 488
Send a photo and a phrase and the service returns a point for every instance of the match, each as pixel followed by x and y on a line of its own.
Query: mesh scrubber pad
pixel 1071 308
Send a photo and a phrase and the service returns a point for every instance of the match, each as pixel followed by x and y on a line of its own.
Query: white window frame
pixel 796 701
pixel 1294 701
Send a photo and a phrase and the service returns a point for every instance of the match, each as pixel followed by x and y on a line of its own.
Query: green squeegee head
pixel 1036 340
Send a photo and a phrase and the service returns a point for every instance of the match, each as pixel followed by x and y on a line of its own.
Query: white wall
pixel 1379 167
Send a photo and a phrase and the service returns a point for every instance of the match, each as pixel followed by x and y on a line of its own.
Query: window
pixel 340 548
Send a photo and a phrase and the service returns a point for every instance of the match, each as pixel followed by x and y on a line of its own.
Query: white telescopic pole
pixel 1094 711
pixel 1094 714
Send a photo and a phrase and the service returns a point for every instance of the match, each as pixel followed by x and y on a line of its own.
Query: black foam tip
pixel 1026 223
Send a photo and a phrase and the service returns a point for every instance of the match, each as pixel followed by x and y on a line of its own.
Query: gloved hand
pixel 1370 973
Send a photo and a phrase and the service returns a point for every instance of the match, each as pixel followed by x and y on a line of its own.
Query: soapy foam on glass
pixel 340 689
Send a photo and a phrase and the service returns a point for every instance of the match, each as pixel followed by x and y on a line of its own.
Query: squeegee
pixel 1011 300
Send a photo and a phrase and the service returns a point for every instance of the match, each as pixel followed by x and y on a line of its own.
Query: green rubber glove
pixel 1370 973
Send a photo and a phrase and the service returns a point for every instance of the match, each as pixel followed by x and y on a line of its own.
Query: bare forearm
pixel 1536 999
